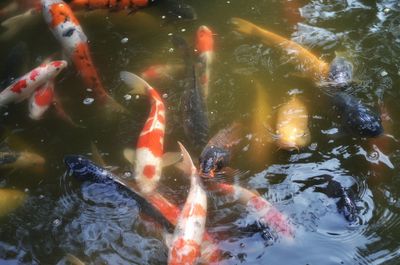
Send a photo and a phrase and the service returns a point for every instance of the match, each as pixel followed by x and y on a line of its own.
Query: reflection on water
pixel 101 223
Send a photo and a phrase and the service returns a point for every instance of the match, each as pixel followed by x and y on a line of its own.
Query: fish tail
pixel 113 106
pixel 243 26
pixel 186 165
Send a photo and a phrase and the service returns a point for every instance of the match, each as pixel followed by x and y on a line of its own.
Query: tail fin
pixel 243 26
pixel 112 105
pixel 186 165
pixel 138 85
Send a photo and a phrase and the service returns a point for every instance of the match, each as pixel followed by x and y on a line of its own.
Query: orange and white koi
pixel 23 87
pixel 264 211
pixel 150 145
pixel 205 50
pixel 109 4
pixel 189 231
pixel 67 30
pixel 41 100
pixel 310 64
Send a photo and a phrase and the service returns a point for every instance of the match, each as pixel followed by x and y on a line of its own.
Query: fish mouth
pixel 207 175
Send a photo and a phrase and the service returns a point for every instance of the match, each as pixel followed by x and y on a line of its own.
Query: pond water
pixel 103 224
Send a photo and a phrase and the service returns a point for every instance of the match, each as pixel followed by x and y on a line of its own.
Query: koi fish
pixel 357 117
pixel 10 200
pixel 189 231
pixel 23 87
pixel 205 50
pixel 84 169
pixel 341 72
pixel 292 125
pixel 41 100
pixel 150 145
pixel 109 4
pixel 217 153
pixel 310 64
pixel 67 30
pixel 264 211
pixel 20 160
pixel 163 71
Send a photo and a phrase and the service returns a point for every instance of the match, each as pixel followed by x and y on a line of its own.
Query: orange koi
pixel 310 64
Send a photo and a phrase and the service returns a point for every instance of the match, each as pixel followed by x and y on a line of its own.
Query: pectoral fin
pixel 171 158
pixel 130 155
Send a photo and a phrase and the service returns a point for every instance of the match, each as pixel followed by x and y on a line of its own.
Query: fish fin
pixel 73 260
pixel 171 158
pixel 130 155
pixel 168 239
pixel 114 106
pixel 96 155
pixel 60 112
pixel 111 168
pixel 138 85
pixel 242 26
pixel 186 165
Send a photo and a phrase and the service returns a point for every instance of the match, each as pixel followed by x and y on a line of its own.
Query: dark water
pixel 101 224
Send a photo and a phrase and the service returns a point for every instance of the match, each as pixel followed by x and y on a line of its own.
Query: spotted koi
pixel 67 30
pixel 23 87
pixel 109 4
pixel 150 145
pixel 205 50
pixel 265 212
pixel 189 231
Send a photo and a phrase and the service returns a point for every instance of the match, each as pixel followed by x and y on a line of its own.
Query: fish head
pixel 291 138
pixel 212 161
pixel 78 165
pixel 55 67
pixel 341 71
pixel 204 39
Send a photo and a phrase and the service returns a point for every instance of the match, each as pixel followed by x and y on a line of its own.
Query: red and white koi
pixel 109 4
pixel 264 211
pixel 205 50
pixel 150 145
pixel 41 100
pixel 189 231
pixel 23 87
pixel 67 30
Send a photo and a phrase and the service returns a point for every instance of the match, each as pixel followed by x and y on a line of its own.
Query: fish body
pixel 150 145
pixel 41 100
pixel 108 4
pixel 163 71
pixel 341 72
pixel 10 200
pixel 189 231
pixel 24 86
pixel 292 125
pixel 357 117
pixel 217 153
pixel 20 160
pixel 15 64
pixel 67 30
pixel 84 169
pixel 177 9
pixel 205 50
pixel 310 64
pixel 257 206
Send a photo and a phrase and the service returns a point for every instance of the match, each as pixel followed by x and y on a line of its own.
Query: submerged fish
pixel 217 153
pixel 260 208
pixel 356 116
pixel 85 169
pixel 163 72
pixel 67 30
pixel 10 200
pixel 41 100
pixel 292 125
pixel 205 50
pixel 15 64
pixel 312 66
pixel 189 231
pixel 341 72
pixel 177 9
pixel 23 87
pixel 150 145
pixel 193 107
pixel 20 160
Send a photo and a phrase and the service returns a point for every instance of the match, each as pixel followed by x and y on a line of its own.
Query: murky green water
pixel 102 225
